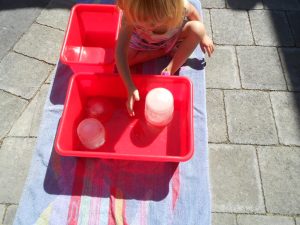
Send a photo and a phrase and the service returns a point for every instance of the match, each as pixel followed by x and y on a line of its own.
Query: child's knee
pixel 195 28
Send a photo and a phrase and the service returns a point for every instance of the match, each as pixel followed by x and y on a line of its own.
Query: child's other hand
pixel 207 45
pixel 132 97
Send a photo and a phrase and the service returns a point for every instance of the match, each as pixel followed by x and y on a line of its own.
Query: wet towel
pixel 66 190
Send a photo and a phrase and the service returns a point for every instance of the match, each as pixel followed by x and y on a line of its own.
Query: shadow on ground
pixel 289 53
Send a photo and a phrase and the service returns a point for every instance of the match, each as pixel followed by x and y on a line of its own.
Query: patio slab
pixel 19 81
pixel 264 220
pixel 222 69
pixel 286 108
pixel 223 219
pixel 250 118
pixel 235 179
pixel 47 40
pixel 217 131
pixel 291 67
pixel 29 122
pixel 270 28
pixel 279 168
pixel 15 158
pixel 11 107
pixel 263 72
pixel 231 27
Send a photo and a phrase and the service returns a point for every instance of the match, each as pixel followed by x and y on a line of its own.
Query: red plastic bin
pixel 90 38
pixel 128 138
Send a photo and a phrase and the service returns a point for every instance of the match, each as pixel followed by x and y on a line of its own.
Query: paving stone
pixel 10 214
pixel 11 107
pixel 41 42
pixel 231 27
pixel 263 72
pixel 294 20
pixel 19 81
pixel 279 168
pixel 282 5
pixel 207 23
pixel 222 69
pixel 216 116
pixel 264 220
pixel 291 67
pixel 223 219
pixel 249 117
pixel 213 3
pixel 234 174
pixel 286 108
pixel 29 122
pixel 270 28
pixel 13 174
pixel 10 30
pixel 2 212
pixel 56 14
pixel 245 4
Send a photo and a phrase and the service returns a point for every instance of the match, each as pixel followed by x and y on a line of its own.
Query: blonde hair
pixel 157 11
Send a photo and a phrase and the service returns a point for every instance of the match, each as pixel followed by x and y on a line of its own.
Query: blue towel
pixel 67 190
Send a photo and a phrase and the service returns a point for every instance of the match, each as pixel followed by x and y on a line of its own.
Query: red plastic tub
pixel 90 38
pixel 128 138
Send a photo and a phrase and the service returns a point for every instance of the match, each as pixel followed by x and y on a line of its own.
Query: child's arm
pixel 206 43
pixel 122 64
pixel 192 13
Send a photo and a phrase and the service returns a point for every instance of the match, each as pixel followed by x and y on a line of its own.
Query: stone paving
pixel 253 102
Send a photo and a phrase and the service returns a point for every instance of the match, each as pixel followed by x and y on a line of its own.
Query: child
pixel 153 28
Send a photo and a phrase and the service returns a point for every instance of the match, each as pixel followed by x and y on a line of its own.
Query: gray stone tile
pixel 279 168
pixel 235 180
pixel 213 3
pixel 216 116
pixel 10 214
pixel 2 212
pixel 41 42
pixel 223 219
pixel 19 81
pixel 13 174
pixel 207 23
pixel 264 220
pixel 222 69
pixel 56 14
pixel 249 117
pixel 245 4
pixel 29 122
pixel 286 111
pixel 294 20
pixel 231 27
pixel 270 28
pixel 282 5
pixel 291 67
pixel 10 30
pixel 11 107
pixel 263 72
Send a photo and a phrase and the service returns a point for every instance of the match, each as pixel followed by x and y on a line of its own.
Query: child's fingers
pixel 208 51
pixel 129 105
pixel 203 49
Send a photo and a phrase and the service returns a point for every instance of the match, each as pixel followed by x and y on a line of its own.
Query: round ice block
pixel 159 106
pixel 100 108
pixel 91 133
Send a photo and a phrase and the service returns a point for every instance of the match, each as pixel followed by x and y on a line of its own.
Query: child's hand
pixel 132 97
pixel 207 45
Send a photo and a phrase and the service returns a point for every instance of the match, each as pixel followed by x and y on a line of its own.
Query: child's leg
pixel 135 56
pixel 192 33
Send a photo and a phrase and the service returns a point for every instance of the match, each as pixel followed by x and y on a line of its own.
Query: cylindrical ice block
pixel 159 106
pixel 91 133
